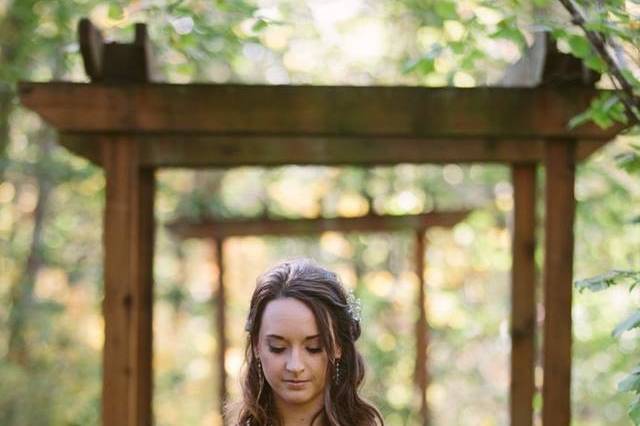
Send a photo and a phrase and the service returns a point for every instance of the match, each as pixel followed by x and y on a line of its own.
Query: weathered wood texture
pixel 523 295
pixel 239 228
pixel 194 151
pixel 201 125
pixel 221 325
pixel 128 301
pixel 400 112
pixel 422 330
pixel 558 275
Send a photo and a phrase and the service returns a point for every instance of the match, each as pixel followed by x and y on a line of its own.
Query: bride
pixel 303 368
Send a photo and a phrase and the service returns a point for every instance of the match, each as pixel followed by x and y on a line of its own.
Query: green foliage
pixel 608 279
pixel 631 383
pixel 605 110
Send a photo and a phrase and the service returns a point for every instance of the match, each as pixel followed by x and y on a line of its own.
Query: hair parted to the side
pixel 323 293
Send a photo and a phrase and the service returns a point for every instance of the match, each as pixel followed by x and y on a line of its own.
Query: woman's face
pixel 293 359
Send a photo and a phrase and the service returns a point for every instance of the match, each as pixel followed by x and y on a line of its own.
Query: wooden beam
pixel 523 298
pixel 558 276
pixel 128 301
pixel 288 111
pixel 422 331
pixel 221 327
pixel 370 223
pixel 195 150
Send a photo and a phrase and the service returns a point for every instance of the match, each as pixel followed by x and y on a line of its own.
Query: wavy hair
pixel 322 292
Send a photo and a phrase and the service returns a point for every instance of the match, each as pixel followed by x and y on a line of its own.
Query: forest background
pixel 51 203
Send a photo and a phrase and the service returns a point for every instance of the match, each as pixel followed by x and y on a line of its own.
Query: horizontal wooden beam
pixel 285 227
pixel 400 112
pixel 194 150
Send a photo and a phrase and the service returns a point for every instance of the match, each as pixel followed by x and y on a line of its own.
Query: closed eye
pixel 314 350
pixel 275 349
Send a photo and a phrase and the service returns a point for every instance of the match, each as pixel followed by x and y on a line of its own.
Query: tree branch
pixel 598 41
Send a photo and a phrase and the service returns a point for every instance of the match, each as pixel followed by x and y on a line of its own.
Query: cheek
pixel 319 366
pixel 271 364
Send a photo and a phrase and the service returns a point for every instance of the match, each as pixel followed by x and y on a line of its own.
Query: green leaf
pixel 425 64
pixel 446 9
pixel 580 119
pixel 631 383
pixel 634 411
pixel 508 29
pixel 115 12
pixel 579 45
pixel 259 25
pixel 629 324
pixel 595 63
pixel 631 78
pixel 608 279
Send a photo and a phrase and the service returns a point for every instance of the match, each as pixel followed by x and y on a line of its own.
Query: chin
pixel 297 397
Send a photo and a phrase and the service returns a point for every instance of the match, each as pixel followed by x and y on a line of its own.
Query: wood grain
pixel 127 305
pixel 422 330
pixel 523 295
pixel 198 151
pixel 208 228
pixel 558 277
pixel 254 110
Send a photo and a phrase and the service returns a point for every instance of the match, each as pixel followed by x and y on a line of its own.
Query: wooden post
pixel 558 275
pixel 523 314
pixel 128 287
pixel 421 374
pixel 221 327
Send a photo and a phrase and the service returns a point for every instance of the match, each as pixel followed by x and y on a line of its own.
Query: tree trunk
pixel 22 290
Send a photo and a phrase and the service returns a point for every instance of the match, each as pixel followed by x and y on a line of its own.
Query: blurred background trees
pixel 51 209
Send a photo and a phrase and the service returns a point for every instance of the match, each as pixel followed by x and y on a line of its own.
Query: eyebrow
pixel 275 336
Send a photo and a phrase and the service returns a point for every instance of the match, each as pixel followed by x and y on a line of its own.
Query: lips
pixel 296 384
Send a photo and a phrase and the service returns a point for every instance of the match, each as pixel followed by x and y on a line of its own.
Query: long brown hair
pixel 322 292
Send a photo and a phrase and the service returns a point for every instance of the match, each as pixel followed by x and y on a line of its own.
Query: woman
pixel 302 364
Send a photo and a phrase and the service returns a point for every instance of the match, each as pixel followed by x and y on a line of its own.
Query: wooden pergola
pixel 132 127
pixel 216 231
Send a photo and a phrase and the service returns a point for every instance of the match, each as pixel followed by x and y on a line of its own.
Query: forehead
pixel 289 318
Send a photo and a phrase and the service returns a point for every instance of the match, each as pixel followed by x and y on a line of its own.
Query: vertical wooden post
pixel 558 275
pixel 421 374
pixel 221 327
pixel 523 314
pixel 128 288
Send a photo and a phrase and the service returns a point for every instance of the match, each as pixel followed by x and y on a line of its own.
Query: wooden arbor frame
pixel 132 127
pixel 217 231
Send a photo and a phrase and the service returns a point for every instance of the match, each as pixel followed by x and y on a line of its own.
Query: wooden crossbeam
pixel 197 151
pixel 255 227
pixel 288 111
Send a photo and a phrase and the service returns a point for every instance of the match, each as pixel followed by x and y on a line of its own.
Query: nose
pixel 294 363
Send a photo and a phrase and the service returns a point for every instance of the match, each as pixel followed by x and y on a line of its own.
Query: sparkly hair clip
pixel 354 306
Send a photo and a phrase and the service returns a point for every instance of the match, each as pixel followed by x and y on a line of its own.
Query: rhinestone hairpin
pixel 354 306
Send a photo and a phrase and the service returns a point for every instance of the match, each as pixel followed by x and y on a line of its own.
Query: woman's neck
pixel 300 415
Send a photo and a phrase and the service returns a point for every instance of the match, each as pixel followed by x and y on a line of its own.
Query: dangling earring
pixel 336 376
pixel 260 379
